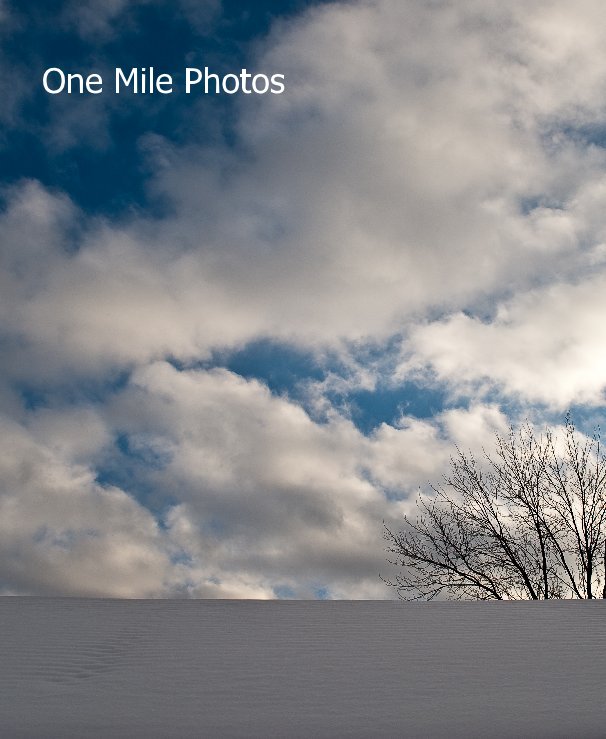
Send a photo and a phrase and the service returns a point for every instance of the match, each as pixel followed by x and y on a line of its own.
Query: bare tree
pixel 527 522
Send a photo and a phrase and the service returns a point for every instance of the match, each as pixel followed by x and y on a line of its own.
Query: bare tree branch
pixel 529 522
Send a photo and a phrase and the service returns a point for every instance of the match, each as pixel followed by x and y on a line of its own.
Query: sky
pixel 238 333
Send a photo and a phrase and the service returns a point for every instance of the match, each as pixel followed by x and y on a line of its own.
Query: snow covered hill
pixel 120 668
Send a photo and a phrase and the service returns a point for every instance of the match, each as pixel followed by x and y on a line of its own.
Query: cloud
pixel 228 491
pixel 269 492
pixel 61 533
pixel 265 493
pixel 546 346
pixel 415 452
pixel 102 20
pixel 411 168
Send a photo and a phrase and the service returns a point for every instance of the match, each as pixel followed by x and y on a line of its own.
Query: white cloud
pixel 100 20
pixel 411 166
pixel 268 495
pixel 416 452
pixel 547 346
pixel 269 492
pixel 61 533
pixel 253 497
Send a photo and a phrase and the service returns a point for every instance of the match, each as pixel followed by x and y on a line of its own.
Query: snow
pixel 75 667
